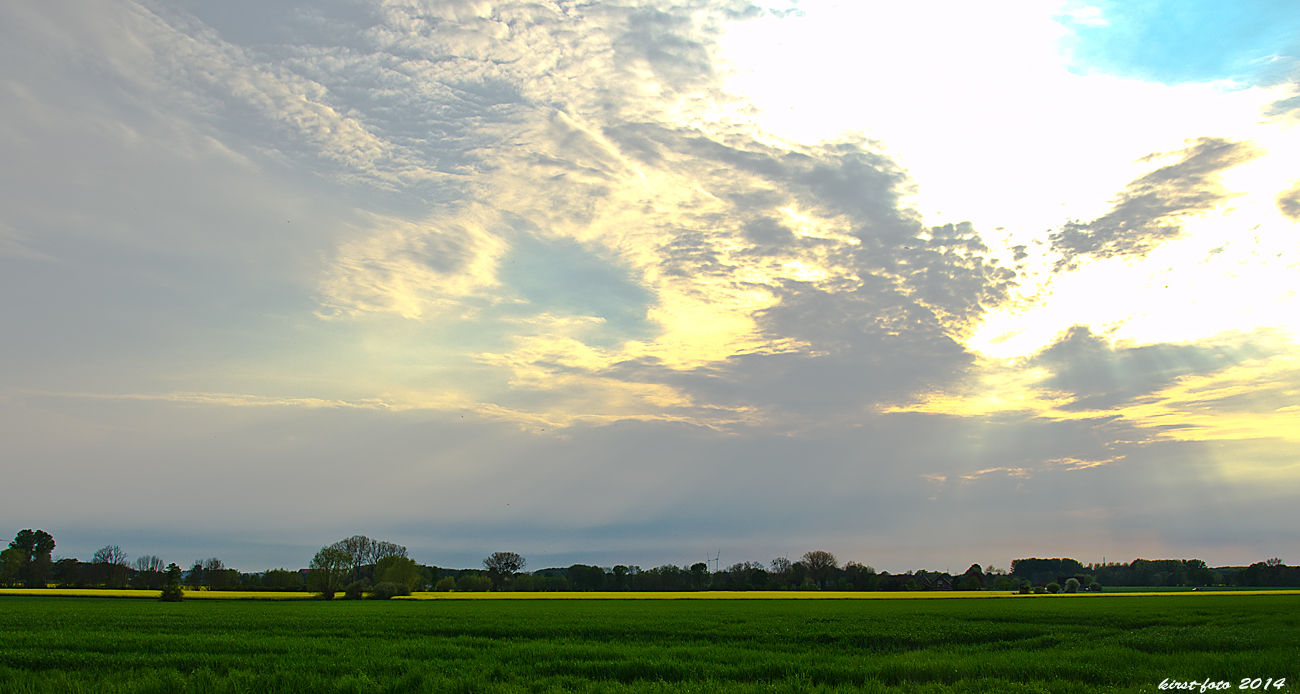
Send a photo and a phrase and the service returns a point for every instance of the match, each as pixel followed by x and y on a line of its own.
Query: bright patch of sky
pixel 1022 116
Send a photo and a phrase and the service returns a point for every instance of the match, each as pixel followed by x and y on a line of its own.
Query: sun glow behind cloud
pixel 974 154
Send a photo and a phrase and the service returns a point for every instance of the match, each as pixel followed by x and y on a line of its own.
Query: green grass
pixel 1054 644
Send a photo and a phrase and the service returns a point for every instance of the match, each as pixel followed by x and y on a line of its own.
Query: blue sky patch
pixel 1180 41
pixel 562 277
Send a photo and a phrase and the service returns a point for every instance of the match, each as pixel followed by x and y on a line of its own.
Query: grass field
pixel 1059 644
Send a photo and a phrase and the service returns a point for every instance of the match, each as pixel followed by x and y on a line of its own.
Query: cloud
pixel 410 268
pixel 1288 203
pixel 1233 386
pixel 1147 212
pixel 1288 107
pixel 1099 376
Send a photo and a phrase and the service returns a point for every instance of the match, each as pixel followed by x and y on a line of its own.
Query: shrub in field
pixel 1094 587
pixel 1053 588
pixel 354 591
pixel 474 584
pixel 445 584
pixel 172 593
pixel 1025 587
pixel 1072 585
pixel 388 590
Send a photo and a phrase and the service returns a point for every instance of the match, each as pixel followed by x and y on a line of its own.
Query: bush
pixel 1053 588
pixel 1072 585
pixel 446 584
pixel 172 593
pixel 1094 587
pixel 1025 587
pixel 354 591
pixel 387 590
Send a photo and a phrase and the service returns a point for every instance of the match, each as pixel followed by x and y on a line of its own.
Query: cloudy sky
pixel 923 284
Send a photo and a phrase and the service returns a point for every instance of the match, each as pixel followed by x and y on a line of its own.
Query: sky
pixel 921 284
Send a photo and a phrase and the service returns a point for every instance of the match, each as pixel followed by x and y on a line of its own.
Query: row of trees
pixel 1156 573
pixel 359 564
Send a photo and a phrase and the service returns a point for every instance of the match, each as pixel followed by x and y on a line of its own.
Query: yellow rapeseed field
pixel 131 593
pixel 799 595
pixel 701 595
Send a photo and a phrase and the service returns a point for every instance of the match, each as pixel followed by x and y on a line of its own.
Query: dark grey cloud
pixel 1148 211
pixel 1101 376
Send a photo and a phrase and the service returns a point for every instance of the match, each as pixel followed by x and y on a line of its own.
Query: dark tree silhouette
pixel 821 565
pixel 32 550
pixel 502 565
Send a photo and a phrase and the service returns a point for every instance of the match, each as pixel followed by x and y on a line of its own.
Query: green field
pixel 1099 643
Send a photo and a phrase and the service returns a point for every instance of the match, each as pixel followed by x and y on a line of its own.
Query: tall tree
pixel 35 547
pixel 110 566
pixel 381 550
pixel 821 566
pixel 328 569
pixel 781 571
pixel 501 565
pixel 358 548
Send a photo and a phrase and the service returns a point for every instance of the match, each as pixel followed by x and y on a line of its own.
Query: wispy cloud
pixel 1148 211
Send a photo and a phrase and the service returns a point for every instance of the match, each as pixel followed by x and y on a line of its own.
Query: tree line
pixel 359 566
